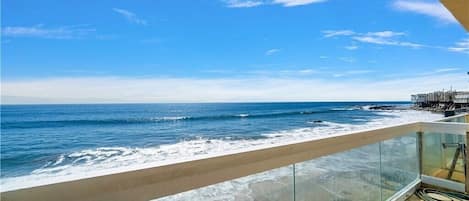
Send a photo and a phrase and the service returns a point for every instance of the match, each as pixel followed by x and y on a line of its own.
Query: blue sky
pixel 228 50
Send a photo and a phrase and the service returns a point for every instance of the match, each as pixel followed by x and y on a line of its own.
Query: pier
pixel 441 101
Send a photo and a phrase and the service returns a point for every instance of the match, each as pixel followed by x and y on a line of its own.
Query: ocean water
pixel 42 144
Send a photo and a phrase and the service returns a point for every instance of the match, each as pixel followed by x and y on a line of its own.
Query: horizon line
pixel 215 102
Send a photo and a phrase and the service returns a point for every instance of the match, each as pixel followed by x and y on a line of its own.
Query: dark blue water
pixel 36 136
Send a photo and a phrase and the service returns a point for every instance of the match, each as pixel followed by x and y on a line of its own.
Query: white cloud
pixel 254 3
pixel 307 71
pixel 412 45
pixel 433 9
pixel 391 38
pixel 290 72
pixel 301 72
pixel 40 31
pixel 385 38
pixel 461 46
pixel 332 33
pixel 386 41
pixel 323 57
pixel 444 70
pixel 378 38
pixel 125 90
pixel 439 71
pixel 374 40
pixel 242 3
pixel 351 47
pixel 272 51
pixel 385 34
pixel 130 16
pixel 290 3
pixel 351 72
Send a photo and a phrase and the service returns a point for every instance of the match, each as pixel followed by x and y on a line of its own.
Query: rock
pixel 382 107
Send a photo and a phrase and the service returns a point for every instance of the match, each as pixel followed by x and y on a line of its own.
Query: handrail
pixel 159 181
pixel 445 127
pixel 453 117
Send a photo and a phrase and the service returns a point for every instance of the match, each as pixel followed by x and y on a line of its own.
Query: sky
pixel 148 51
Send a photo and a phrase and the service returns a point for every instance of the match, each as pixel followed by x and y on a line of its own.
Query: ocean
pixel 46 143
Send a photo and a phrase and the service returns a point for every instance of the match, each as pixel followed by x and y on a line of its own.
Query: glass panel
pixel 462 119
pixel 442 152
pixel 351 175
pixel 399 164
pixel 275 184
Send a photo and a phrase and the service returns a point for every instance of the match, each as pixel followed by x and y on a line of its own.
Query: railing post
pixel 420 151
pixel 466 165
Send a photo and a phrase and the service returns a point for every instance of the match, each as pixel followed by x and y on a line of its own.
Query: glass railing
pixel 372 172
pixel 444 158
pixel 277 184
pixel 457 119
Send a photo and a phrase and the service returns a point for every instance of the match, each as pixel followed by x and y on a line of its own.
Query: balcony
pixel 380 164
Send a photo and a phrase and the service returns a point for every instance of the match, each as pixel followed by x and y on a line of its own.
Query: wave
pixel 105 160
pixel 84 122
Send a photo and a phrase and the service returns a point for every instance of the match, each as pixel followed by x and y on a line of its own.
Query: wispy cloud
pixel 290 3
pixel 351 47
pixel 347 59
pixel 391 38
pixel 291 72
pixel 40 31
pixel 433 9
pixel 272 51
pixel 307 71
pixel 385 34
pixel 242 3
pixel 386 38
pixel 130 16
pixel 461 46
pixel 386 41
pixel 254 3
pixel 444 70
pixel 125 89
pixel 332 33
pixel 377 38
pixel 352 72
pixel 439 71
pixel 296 72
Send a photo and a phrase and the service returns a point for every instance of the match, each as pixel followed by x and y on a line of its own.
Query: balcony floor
pixel 413 198
pixel 443 173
